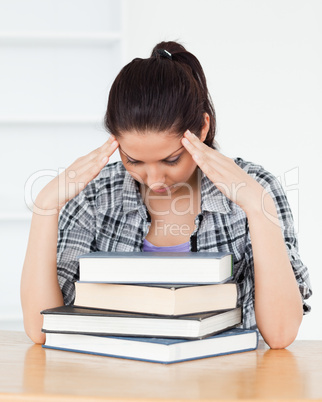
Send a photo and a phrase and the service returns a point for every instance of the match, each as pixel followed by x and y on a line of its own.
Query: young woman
pixel 172 191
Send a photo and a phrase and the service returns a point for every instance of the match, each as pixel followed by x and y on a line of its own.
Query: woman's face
pixel 157 160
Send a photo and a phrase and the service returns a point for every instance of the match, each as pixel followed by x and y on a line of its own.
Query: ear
pixel 205 128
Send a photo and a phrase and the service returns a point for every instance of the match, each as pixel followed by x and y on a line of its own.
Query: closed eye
pixel 131 162
pixel 171 162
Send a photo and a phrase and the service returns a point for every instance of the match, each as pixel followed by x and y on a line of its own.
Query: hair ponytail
pixel 181 55
pixel 167 92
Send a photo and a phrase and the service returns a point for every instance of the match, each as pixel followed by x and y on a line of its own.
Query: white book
pixel 160 350
pixel 156 267
pixel 73 319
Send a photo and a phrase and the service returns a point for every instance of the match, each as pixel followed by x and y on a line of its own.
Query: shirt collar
pixel 132 199
pixel 212 199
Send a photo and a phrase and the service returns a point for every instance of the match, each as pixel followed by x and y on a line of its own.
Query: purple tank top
pixel 184 247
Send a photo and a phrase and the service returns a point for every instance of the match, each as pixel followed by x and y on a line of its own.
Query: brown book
pixel 162 300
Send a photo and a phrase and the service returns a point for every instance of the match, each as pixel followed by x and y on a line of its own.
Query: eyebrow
pixel 141 161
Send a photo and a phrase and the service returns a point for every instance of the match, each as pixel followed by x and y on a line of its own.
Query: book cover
pixel 159 350
pixel 74 319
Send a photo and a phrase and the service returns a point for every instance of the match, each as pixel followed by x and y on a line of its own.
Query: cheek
pixel 188 167
pixel 135 171
pixel 137 174
pixel 182 172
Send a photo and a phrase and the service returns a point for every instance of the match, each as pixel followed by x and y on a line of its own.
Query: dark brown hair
pixel 166 92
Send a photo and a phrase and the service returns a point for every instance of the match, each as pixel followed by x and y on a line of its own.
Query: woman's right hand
pixel 74 179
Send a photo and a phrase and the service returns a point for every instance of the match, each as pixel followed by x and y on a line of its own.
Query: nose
pixel 154 176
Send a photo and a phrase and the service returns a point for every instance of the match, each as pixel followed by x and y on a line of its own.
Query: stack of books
pixel 160 307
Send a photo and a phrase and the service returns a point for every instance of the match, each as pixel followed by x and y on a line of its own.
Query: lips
pixel 161 189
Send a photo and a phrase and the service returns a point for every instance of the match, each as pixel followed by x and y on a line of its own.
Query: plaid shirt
pixel 109 215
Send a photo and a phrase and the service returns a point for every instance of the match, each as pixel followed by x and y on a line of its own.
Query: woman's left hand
pixel 227 176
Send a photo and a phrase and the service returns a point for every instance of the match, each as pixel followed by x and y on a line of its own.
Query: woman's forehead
pixel 150 145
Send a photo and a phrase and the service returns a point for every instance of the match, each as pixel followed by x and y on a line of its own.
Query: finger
pixel 110 140
pixel 107 149
pixel 197 155
pixel 86 172
pixel 202 154
pixel 192 148
pixel 112 147
pixel 193 144
pixel 106 144
pixel 196 147
pixel 188 146
pixel 194 140
pixel 98 157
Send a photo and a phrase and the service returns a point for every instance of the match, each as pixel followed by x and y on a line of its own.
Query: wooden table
pixel 31 373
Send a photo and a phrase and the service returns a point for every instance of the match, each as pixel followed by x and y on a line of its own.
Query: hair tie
pixel 163 53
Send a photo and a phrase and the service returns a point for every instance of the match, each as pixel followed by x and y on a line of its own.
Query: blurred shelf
pixel 22 217
pixel 52 120
pixel 61 39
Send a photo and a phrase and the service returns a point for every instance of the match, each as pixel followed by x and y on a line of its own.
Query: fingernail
pixel 104 160
pixel 189 133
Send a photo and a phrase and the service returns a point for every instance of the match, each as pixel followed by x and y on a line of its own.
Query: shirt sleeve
pixel 76 236
pixel 286 221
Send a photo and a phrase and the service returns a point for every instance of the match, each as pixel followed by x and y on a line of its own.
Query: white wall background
pixel 263 60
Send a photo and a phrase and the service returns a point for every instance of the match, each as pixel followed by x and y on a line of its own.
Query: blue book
pixel 158 350
pixel 156 267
